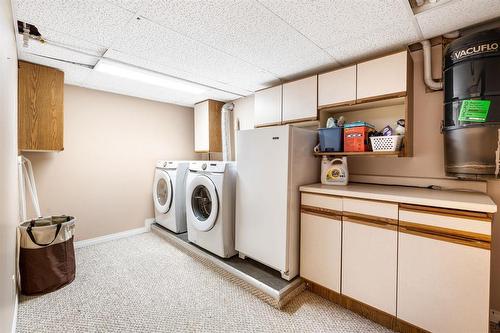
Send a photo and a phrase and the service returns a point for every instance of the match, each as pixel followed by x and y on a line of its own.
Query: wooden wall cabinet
pixel 207 127
pixel 337 87
pixel 300 100
pixel 268 106
pixel 40 108
pixel 385 76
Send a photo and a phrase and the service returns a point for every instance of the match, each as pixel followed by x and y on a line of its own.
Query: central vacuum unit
pixel 472 105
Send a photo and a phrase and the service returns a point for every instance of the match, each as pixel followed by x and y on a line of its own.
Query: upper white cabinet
pixel 207 127
pixel 383 76
pixel 337 87
pixel 268 106
pixel 300 100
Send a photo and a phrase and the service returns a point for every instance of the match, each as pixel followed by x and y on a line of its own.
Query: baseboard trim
pixel 110 237
pixel 495 316
pixel 365 310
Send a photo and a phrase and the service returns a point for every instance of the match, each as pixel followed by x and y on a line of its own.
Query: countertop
pixel 464 200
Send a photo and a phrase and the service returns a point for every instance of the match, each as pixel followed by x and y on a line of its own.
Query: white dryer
pixel 210 204
pixel 169 194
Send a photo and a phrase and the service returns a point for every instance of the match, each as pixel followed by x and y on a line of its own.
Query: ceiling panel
pixel 100 81
pixel 131 5
pixel 54 50
pixel 58 38
pixel 147 40
pixel 364 46
pixel 143 63
pixel 330 23
pixel 456 14
pixel 73 74
pixel 244 29
pixel 96 21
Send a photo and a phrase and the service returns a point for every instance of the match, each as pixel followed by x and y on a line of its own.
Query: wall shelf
pixel 362 153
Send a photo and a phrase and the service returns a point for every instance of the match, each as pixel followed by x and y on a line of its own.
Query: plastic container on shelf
pixel 356 138
pixel 386 143
pixel 331 139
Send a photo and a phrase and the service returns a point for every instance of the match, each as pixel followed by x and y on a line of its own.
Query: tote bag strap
pixel 32 237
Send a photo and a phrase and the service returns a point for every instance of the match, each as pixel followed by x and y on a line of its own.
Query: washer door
pixel 204 203
pixel 162 192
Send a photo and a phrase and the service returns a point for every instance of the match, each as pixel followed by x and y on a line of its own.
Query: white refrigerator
pixel 272 163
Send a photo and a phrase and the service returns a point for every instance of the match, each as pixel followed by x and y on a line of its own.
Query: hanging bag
pixel 46 254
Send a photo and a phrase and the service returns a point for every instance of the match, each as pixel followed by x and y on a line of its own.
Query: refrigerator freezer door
pixel 262 195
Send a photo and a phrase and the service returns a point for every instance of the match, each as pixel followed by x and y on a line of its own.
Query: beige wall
pixel 9 212
pixel 104 176
pixel 427 165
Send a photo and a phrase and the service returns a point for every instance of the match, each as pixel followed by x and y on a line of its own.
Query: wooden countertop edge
pixel 357 194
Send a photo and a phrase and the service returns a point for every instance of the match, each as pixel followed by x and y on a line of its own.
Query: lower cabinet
pixel 411 268
pixel 443 286
pixel 369 263
pixel 320 244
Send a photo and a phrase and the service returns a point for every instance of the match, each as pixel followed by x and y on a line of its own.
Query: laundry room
pixel 250 166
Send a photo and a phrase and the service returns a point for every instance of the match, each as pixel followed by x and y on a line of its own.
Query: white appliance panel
pixel 262 195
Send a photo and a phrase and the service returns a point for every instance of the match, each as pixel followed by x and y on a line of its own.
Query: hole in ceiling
pixel 419 6
pixel 33 31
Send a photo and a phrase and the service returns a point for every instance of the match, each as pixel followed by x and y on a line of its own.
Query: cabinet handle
pixel 486 245
pixel 321 212
pixel 464 214
pixel 372 223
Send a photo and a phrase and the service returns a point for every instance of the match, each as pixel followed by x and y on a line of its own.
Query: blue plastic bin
pixel 331 139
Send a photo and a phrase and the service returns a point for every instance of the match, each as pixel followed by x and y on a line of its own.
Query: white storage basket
pixel 386 143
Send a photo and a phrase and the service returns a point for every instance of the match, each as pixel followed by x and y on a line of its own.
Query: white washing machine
pixel 210 204
pixel 169 194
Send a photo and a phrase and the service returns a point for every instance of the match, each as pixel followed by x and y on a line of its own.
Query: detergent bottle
pixel 334 172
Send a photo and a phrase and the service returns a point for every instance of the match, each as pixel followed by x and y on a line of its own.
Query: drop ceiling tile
pixel 157 67
pixel 54 37
pixel 95 21
pixel 55 51
pixel 333 22
pixel 244 29
pixel 150 41
pixel 132 5
pixel 105 82
pixel 364 46
pixel 455 15
pixel 73 74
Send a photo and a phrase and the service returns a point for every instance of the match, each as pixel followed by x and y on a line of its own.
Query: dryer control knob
pixel 204 166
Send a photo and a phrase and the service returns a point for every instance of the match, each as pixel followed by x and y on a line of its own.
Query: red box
pixel 356 138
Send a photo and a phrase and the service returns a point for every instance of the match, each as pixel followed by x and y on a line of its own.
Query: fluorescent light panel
pixel 145 76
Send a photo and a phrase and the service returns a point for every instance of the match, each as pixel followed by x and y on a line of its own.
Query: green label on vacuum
pixel 474 110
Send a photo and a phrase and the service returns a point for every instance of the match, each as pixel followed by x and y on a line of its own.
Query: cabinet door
pixel 369 263
pixel 268 106
pixel 443 286
pixel 300 100
pixel 201 127
pixel 337 87
pixel 320 249
pixel 40 108
pixel 382 76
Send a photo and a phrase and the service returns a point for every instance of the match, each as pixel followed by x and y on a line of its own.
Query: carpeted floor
pixel 144 284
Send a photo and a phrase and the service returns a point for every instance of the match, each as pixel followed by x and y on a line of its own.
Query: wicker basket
pixel 386 143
